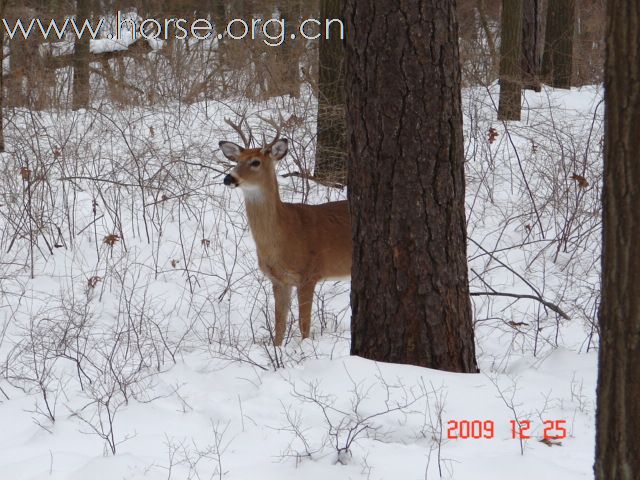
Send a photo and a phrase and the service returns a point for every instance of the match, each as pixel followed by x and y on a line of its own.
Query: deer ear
pixel 230 150
pixel 279 149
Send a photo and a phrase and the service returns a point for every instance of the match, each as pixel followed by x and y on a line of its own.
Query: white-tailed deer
pixel 298 244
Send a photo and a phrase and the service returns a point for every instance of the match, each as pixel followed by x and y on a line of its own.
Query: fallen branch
pixel 546 303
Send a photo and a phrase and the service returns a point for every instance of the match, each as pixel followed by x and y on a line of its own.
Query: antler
pixel 277 126
pixel 238 128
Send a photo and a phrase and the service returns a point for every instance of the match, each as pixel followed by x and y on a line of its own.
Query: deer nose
pixel 229 180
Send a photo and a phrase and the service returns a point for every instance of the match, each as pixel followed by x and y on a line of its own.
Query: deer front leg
pixel 282 294
pixel 305 302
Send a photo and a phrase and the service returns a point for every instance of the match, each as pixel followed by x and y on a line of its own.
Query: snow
pixel 182 352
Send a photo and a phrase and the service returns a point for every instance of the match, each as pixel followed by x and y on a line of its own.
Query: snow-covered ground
pixel 157 347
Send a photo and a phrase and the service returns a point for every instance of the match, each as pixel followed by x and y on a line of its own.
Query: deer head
pixel 255 171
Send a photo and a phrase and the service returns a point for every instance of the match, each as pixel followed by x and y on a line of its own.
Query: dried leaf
pixel 111 239
pixel 293 121
pixel 493 134
pixel 25 173
pixel 518 324
pixel 582 182
pixel 205 242
pixel 93 281
pixel 174 263
pixel 550 443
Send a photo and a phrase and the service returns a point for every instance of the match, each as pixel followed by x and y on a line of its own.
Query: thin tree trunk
pixel 510 60
pixel 331 157
pixel 618 393
pixel 409 291
pixel 3 4
pixel 289 51
pixel 588 64
pixel 21 90
pixel 531 44
pixel 280 64
pixel 557 63
pixel 81 53
pixel 219 13
pixel 491 44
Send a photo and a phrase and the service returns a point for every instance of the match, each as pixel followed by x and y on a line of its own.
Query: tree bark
pixel 331 156
pixel 531 44
pixel 618 393
pixel 557 62
pixel 510 60
pixel 409 292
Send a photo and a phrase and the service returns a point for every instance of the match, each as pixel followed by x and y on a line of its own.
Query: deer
pixel 297 244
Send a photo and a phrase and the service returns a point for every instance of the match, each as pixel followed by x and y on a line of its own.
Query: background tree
pixel 588 50
pixel 618 414
pixel 531 44
pixel 489 15
pixel 285 77
pixel 3 6
pixel 25 63
pixel 557 63
pixel 331 157
pixel 81 54
pixel 510 60
pixel 409 291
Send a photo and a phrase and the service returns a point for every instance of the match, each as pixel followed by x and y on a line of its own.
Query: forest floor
pixel 155 344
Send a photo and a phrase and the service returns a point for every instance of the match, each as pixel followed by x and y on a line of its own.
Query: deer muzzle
pixel 230 181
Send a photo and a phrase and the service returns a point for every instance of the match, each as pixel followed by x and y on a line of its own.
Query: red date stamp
pixel 464 429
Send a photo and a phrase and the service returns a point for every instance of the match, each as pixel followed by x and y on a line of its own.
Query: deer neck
pixel 263 211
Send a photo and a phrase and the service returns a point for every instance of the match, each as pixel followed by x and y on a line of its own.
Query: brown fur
pixel 297 244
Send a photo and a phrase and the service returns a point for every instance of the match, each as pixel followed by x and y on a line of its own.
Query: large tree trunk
pixel 531 44
pixel 81 53
pixel 557 62
pixel 331 155
pixel 510 60
pixel 409 290
pixel 618 414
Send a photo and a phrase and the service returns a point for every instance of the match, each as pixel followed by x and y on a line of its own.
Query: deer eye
pixel 255 163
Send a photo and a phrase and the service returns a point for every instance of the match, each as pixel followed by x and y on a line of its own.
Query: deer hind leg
pixel 282 294
pixel 305 302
